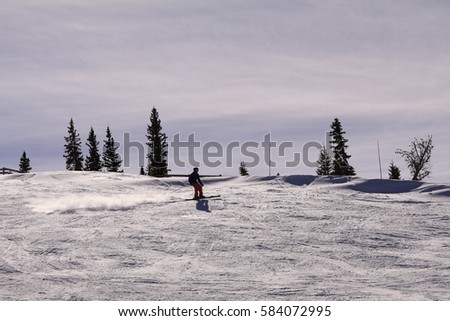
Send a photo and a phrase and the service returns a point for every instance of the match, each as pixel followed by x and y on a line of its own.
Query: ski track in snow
pixel 104 236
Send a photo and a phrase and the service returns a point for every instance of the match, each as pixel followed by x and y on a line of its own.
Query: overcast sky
pixel 227 71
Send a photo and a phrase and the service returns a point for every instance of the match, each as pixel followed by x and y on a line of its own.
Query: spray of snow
pixel 73 203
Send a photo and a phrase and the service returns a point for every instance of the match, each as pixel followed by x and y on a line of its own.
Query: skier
pixel 196 182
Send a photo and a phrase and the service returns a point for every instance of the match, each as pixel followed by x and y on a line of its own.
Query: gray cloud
pixel 287 67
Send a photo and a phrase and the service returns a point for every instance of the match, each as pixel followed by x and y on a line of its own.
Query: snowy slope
pixel 98 236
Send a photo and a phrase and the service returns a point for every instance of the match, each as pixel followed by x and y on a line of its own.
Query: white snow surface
pixel 105 236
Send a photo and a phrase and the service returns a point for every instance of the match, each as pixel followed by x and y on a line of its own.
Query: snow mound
pixel 386 186
pixel 435 189
pixel 369 186
pixel 300 180
pixel 383 186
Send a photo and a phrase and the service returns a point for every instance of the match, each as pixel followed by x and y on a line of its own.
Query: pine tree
pixel 324 164
pixel 72 149
pixel 157 143
pixel 339 145
pixel 24 165
pixel 243 169
pixel 111 159
pixel 394 171
pixel 93 161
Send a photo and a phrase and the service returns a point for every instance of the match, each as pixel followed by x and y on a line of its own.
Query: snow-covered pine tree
pixel 394 171
pixel 324 164
pixel 157 143
pixel 339 145
pixel 93 160
pixel 72 149
pixel 24 165
pixel 243 169
pixel 111 159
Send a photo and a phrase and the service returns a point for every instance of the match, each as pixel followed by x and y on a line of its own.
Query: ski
pixel 202 198
pixel 192 199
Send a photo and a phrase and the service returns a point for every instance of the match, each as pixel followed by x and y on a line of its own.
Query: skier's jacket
pixel 195 178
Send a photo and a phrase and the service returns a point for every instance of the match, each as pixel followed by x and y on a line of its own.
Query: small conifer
pixel 72 149
pixel 24 165
pixel 111 159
